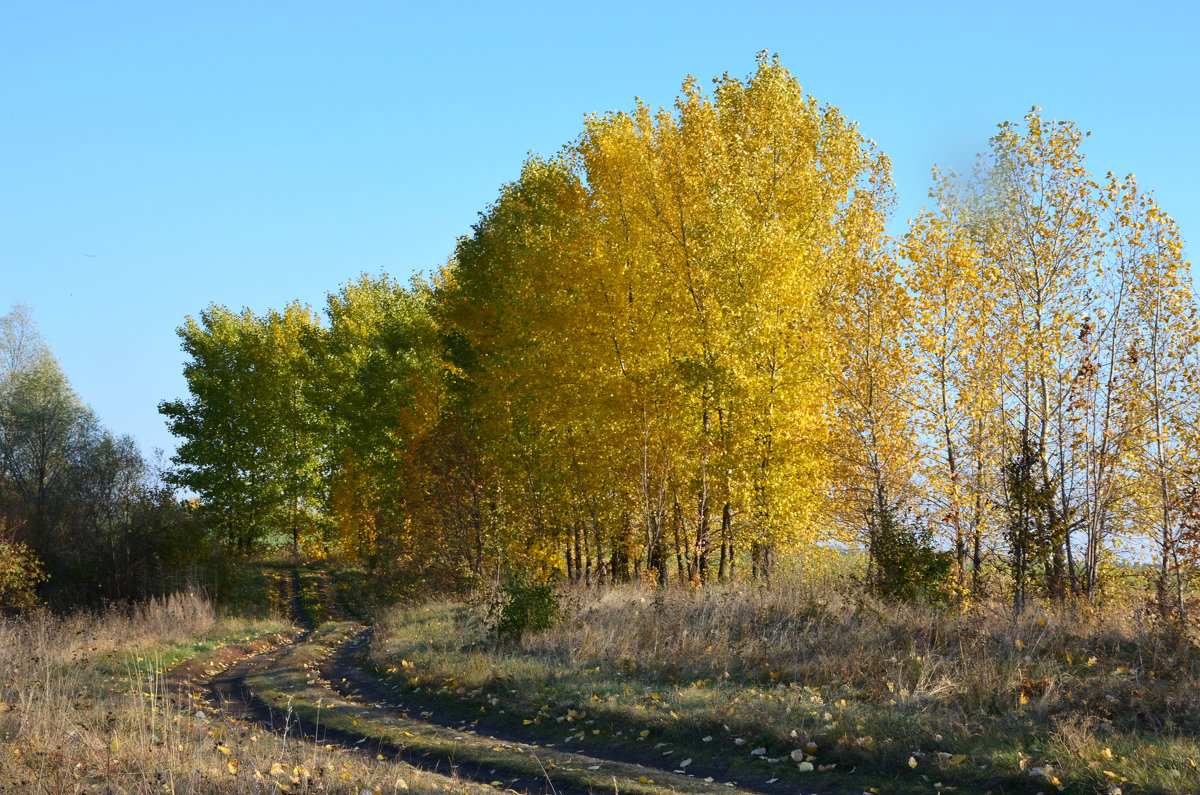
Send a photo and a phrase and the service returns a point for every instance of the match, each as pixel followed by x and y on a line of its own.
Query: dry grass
pixel 1093 699
pixel 984 661
pixel 84 706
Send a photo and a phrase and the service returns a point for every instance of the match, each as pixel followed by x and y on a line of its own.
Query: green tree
pixel 250 446
pixel 42 424
pixel 81 517
pixel 380 393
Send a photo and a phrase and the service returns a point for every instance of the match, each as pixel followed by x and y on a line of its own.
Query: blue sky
pixel 157 157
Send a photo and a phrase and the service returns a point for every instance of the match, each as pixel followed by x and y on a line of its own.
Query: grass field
pixel 765 680
pixel 792 687
pixel 86 706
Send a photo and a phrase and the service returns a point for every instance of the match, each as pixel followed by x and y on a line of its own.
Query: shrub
pixel 904 563
pixel 20 573
pixel 522 605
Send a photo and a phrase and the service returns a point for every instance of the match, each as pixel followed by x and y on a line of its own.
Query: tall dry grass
pixel 1118 665
pixel 1091 696
pixel 41 640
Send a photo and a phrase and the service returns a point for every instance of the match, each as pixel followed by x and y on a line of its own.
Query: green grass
pixel 439 653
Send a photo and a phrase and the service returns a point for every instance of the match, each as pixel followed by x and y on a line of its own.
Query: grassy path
pixel 221 690
pixel 318 687
pixel 312 687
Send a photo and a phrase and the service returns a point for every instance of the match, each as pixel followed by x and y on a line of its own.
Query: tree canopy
pixel 685 346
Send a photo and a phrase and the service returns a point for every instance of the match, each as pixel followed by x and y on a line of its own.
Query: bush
pixel 20 573
pixel 904 563
pixel 523 605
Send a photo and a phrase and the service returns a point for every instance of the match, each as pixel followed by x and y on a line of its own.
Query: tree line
pixel 84 518
pixel 686 348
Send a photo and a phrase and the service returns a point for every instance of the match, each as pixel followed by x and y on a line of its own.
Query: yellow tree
pixel 1037 329
pixel 646 322
pixel 1161 367
pixel 953 307
pixel 722 228
pixel 1103 407
pixel 516 295
pixel 874 377
pixel 1040 235
pixel 645 214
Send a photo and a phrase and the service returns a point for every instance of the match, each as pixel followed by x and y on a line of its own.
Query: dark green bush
pixel 522 605
pixel 905 564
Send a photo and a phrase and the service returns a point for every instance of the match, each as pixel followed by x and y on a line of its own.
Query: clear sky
pixel 157 157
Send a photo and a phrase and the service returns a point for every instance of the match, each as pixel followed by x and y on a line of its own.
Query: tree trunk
pixel 677 526
pixel 579 569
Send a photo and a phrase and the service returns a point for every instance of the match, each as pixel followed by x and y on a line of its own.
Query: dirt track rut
pixel 343 677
